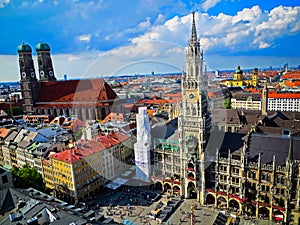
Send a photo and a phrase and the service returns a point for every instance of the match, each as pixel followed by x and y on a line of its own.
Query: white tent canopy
pixel 116 183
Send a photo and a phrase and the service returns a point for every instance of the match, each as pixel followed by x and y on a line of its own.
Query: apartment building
pixel 22 147
pixel 275 101
pixel 247 101
pixel 279 101
pixel 78 173
pixel 3 134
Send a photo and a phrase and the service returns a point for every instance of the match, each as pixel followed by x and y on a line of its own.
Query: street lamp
pixel 192 214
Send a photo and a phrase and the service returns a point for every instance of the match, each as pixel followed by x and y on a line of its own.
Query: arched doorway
pixel 210 199
pixel 191 190
pixel 278 216
pixel 250 209
pixel 264 213
pixel 176 190
pixel 234 205
pixel 167 187
pixel 221 203
pixel 158 186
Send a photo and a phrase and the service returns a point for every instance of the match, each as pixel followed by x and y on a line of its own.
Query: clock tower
pixel 29 83
pixel 194 121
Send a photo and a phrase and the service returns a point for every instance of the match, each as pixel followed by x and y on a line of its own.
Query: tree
pixel 227 103
pixel 16 110
pixel 28 177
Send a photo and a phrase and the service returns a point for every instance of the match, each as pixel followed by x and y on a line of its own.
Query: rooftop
pixel 85 148
pixel 91 91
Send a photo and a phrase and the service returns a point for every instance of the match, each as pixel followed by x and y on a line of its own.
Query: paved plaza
pixel 137 205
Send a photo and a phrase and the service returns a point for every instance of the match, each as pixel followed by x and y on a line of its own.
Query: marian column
pixel 143 145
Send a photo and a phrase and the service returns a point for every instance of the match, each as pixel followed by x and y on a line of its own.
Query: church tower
pixel 194 122
pixel 254 77
pixel 46 71
pixel 238 75
pixel 264 102
pixel 29 83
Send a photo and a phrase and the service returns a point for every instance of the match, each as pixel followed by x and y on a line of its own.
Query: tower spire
pixel 291 149
pixel 194 31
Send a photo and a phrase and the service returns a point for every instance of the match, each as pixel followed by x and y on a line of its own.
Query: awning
pixel 128 222
pixel 116 183
pixel 278 217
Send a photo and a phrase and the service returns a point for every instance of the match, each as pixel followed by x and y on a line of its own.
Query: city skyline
pixel 92 38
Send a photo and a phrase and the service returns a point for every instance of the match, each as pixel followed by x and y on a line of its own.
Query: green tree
pixel 227 103
pixel 28 177
pixel 16 110
pixel 78 133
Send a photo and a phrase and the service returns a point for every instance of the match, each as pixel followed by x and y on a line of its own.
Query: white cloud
pixel 145 24
pixel 3 3
pixel 264 44
pixel 74 58
pixel 209 4
pixel 160 19
pixel 281 21
pixel 85 38
pixel 250 29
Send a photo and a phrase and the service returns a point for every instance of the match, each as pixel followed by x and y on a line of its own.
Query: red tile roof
pixel 4 132
pixel 69 156
pixel 292 83
pixel 114 117
pixel 291 75
pixel 86 148
pixel 283 95
pixel 86 92
pixel 253 90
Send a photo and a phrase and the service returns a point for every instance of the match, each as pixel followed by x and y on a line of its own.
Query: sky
pixel 109 37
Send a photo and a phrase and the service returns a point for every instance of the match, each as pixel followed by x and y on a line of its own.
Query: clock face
pixel 191 96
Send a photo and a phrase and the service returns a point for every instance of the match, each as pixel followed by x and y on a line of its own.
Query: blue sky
pixel 101 37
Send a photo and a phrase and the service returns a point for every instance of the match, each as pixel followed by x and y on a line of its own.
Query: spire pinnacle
pixel 194 31
pixel 291 149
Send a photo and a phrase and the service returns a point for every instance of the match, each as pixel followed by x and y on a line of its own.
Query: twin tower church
pixel 87 99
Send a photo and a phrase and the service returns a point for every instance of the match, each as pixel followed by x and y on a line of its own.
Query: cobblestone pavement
pixel 134 205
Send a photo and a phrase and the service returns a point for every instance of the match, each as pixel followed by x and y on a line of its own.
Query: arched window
pixel 67 112
pixel 103 113
pixel 191 71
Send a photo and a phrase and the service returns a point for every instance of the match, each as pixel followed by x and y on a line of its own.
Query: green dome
pixel 24 48
pixel 42 47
